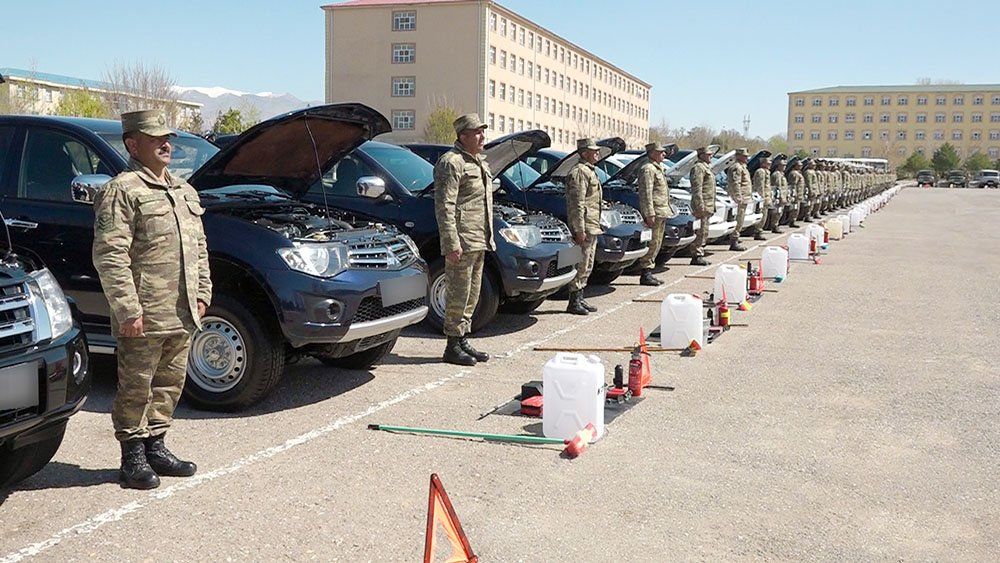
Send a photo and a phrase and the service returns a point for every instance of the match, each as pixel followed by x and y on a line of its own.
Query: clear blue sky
pixel 709 63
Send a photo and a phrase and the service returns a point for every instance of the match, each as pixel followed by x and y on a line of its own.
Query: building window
pixel 940 100
pixel 814 135
pixel 996 100
pixel 513 31
pixel 493 120
pixel 833 102
pixel 869 101
pixel 994 152
pixel 798 135
pixel 538 101
pixel 921 118
pixel 493 22
pixel 817 118
pixel 531 69
pixel 493 88
pixel 977 118
pixel 995 118
pixel 886 100
pixel 920 150
pixel 977 101
pixel 901 151
pixel 956 135
pixel 817 102
pixel 849 118
pixel 939 118
pixel 938 135
pixel 404 21
pixel 799 102
pixel 921 100
pixel 403 119
pixel 814 151
pixel 869 118
pixel 883 135
pixel 866 152
pixel 503 27
pixel 832 118
pixel 493 55
pixel 404 86
pixel 513 62
pixel 503 91
pixel 901 118
pixel 958 101
pixel 520 97
pixel 884 118
pixel 832 151
pixel 977 135
pixel 920 135
pixel 520 36
pixel 851 102
pixel 866 135
pixel 520 66
pixel 901 135
pixel 849 135
pixel 957 118
pixel 902 100
pixel 995 135
pixel 404 53
pixel 799 118
pixel 510 124
pixel 503 59
pixel 831 136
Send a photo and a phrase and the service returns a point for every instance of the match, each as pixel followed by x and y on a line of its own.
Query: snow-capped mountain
pixel 218 99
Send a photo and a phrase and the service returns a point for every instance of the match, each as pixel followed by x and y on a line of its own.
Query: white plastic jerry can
pixel 798 247
pixel 774 262
pixel 573 395
pixel 836 228
pixel 681 321
pixel 845 222
pixel 731 280
pixel 856 217
pixel 816 232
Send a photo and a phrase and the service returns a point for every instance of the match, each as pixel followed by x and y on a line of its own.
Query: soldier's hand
pixel 650 222
pixel 201 310
pixel 132 328
pixel 453 257
pixel 580 238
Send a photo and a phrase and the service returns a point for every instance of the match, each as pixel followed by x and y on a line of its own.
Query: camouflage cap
pixel 586 143
pixel 743 152
pixel 468 121
pixel 651 147
pixel 149 121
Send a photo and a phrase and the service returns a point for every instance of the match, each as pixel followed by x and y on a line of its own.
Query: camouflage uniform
pixel 463 205
pixel 808 198
pixel 654 203
pixel 762 187
pixel 780 184
pixel 152 260
pixel 702 203
pixel 796 190
pixel 584 198
pixel 739 186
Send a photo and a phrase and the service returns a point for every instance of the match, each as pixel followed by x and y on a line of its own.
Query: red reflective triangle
pixel 440 512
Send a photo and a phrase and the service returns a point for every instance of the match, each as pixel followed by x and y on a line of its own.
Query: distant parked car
pixel 956 179
pixel 985 179
pixel 926 178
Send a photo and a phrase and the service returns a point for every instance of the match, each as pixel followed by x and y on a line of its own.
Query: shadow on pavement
pixel 59 475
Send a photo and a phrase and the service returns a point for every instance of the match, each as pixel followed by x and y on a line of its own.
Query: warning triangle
pixel 441 517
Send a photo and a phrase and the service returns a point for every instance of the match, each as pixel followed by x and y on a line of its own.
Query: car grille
pixel 553 270
pixel 371 309
pixel 629 215
pixel 730 214
pixel 370 255
pixel 554 232
pixel 17 327
pixel 682 208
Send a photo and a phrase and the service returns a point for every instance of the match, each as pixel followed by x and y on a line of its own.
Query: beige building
pixel 407 57
pixel 39 93
pixel 893 122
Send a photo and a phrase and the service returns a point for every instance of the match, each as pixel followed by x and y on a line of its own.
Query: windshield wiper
pixel 256 194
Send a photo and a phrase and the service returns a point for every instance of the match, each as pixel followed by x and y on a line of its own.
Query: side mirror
pixel 84 187
pixel 372 187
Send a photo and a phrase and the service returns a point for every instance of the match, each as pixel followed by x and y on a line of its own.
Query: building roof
pixel 355 3
pixel 903 88
pixel 53 78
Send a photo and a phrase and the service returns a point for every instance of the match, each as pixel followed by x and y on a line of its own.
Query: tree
pixel 137 86
pixel 194 124
pixel 440 128
pixel 22 97
pixel 915 163
pixel 996 165
pixel 976 162
pixel 801 154
pixel 945 159
pixel 82 103
pixel 232 122
pixel 778 144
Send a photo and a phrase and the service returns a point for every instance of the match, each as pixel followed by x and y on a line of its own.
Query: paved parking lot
pixel 855 418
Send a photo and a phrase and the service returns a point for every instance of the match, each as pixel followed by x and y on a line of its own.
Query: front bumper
pixel 534 273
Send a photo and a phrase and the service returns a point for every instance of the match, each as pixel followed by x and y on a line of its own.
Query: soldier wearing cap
pixel 152 260
pixel 654 204
pixel 739 185
pixel 463 205
pixel 762 187
pixel 702 202
pixel 809 194
pixel 780 185
pixel 584 198
pixel 796 189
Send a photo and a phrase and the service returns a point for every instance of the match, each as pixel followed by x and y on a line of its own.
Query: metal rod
pixel 518 438
pixel 620 349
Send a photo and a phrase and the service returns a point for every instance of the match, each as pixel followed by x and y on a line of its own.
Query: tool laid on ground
pixel 574 446
pixel 650 349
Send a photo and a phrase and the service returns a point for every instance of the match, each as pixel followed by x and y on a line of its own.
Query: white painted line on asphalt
pixel 94 523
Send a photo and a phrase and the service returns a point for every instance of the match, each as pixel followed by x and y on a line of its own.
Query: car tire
pixel 521 307
pixel 486 309
pixel 17 465
pixel 603 277
pixel 359 360
pixel 235 359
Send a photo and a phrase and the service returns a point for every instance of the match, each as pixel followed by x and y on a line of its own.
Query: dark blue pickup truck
pixel 290 278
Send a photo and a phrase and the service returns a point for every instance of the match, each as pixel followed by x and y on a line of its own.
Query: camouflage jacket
pixel 702 190
pixel 796 187
pixel 654 194
pixel 739 183
pixel 150 251
pixel 584 198
pixel 780 183
pixel 811 187
pixel 463 201
pixel 762 186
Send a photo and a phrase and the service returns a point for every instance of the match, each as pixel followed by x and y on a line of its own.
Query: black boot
pixel 467 347
pixel 759 235
pixel 647 278
pixel 575 305
pixel 455 354
pixel 590 308
pixel 699 261
pixel 164 462
pixel 135 472
pixel 735 245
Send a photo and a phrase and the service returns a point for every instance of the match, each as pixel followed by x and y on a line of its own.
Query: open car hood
pixel 608 146
pixel 684 165
pixel 293 151
pixel 502 153
pixel 723 162
pixel 627 175
pixel 754 163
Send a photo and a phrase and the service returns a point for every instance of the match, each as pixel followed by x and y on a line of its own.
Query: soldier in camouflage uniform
pixel 796 189
pixel 811 188
pixel 780 185
pixel 151 257
pixel 584 198
pixel 762 187
pixel 739 185
pixel 702 202
pixel 463 205
pixel 654 204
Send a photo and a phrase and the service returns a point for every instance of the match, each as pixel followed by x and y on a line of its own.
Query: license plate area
pixel 399 290
pixel 19 388
pixel 570 256
pixel 646 235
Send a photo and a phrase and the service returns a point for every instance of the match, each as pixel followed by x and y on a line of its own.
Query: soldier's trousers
pixel 649 260
pixel 741 214
pixel 792 214
pixel 151 372
pixel 765 222
pixel 701 237
pixel 463 281
pixel 586 265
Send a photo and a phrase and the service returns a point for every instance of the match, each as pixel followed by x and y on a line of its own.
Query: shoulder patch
pixel 105 221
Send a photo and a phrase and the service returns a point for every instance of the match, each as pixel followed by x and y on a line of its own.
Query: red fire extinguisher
pixel 635 374
pixel 826 236
pixel 723 314
pixel 812 245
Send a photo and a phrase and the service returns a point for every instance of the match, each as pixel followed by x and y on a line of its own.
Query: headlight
pixel 45 287
pixel 524 236
pixel 610 218
pixel 322 260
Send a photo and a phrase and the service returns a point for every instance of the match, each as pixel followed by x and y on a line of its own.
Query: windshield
pixel 411 171
pixel 990 173
pixel 521 174
pixel 189 154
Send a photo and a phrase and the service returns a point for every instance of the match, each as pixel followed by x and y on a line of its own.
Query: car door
pixel 46 225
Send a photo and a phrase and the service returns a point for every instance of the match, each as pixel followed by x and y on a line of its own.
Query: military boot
pixel 575 305
pixel 736 246
pixel 699 261
pixel 590 308
pixel 759 235
pixel 164 462
pixel 135 472
pixel 455 354
pixel 647 278
pixel 467 347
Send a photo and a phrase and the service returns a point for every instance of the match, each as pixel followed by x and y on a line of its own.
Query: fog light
pixel 616 243
pixel 335 310
pixel 533 267
pixel 80 363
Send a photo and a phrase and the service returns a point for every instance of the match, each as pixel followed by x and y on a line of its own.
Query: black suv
pixel 290 278
pixel 956 179
pixel 44 375
pixel 926 178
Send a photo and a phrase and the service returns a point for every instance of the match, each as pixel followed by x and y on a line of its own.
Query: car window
pixel 188 155
pixel 50 162
pixel 6 137
pixel 343 179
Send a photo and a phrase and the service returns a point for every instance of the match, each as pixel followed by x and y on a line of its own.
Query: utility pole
pixel 746 125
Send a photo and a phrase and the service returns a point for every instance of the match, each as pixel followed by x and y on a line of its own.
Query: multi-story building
pixel 406 58
pixel 893 122
pixel 39 93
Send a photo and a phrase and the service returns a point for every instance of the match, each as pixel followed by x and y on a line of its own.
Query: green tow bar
pixel 515 438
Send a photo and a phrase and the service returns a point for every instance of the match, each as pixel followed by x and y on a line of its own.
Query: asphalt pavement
pixel 853 419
